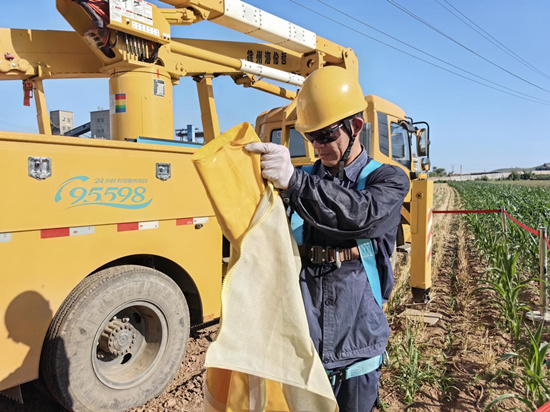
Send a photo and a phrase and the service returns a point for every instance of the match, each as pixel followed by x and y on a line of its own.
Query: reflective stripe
pixel 83 230
pixel 126 227
pixel 185 221
pixel 366 250
pixel 430 227
pixel 148 225
pixel 191 221
pixel 66 231
pixel 51 233
pixel 5 237
pixel 121 227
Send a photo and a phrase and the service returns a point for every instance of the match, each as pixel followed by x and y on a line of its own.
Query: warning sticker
pixel 115 10
pixel 158 87
pixel 138 10
pixel 118 103
pixel 144 28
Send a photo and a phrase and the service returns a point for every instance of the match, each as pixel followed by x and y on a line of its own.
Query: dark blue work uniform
pixel 346 324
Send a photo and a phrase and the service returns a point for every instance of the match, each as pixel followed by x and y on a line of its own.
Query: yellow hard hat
pixel 328 95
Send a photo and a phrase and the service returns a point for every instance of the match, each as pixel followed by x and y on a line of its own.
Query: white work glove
pixel 275 163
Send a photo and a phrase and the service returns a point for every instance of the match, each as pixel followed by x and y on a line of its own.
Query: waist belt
pixel 357 369
pixel 319 254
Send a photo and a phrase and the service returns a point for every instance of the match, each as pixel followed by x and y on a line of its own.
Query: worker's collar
pixel 353 170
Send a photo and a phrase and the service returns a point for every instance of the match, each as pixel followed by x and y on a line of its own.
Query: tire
pixel 117 341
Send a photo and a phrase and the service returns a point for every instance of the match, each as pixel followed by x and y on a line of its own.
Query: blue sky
pixel 472 126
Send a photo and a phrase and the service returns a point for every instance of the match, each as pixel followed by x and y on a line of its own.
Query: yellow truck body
pixel 103 205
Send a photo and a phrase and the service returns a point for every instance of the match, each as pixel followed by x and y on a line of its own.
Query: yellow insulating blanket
pixel 263 358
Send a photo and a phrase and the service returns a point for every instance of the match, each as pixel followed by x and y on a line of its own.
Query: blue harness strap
pixel 365 245
pixel 357 369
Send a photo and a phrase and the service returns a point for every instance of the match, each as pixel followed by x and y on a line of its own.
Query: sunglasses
pixel 325 135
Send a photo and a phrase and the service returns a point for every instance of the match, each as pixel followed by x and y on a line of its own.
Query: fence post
pixel 543 258
pixel 503 219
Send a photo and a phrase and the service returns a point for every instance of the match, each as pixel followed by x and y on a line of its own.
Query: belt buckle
pixel 317 255
pixel 335 377
pixel 320 255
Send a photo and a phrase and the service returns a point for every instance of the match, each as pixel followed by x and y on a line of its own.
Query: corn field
pixel 511 255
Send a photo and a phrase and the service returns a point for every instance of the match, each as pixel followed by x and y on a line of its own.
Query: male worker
pixel 341 209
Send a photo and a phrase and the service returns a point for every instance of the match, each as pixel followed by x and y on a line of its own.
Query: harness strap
pixel 357 369
pixel 368 259
pixel 366 250
pixel 370 167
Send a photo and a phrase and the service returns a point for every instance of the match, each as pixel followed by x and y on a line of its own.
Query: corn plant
pixel 413 370
pixel 504 252
pixel 504 281
pixel 532 356
pixel 527 204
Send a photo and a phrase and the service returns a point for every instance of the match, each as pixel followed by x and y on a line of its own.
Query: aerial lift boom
pixel 132 44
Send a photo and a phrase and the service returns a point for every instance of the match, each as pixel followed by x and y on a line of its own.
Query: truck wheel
pixel 117 340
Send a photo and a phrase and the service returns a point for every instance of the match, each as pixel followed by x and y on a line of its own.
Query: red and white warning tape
pixel 529 229
pixel 430 226
pixel 66 231
pixel 121 227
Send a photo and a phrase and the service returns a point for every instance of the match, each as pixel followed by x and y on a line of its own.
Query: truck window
pixel 400 146
pixel 297 143
pixel 383 134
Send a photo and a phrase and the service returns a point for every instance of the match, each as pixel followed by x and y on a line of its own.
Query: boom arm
pixel 135 37
pixel 243 17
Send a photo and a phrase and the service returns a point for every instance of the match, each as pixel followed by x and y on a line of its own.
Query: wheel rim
pixel 129 344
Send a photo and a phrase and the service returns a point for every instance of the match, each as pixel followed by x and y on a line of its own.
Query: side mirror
pixel 422 143
pixel 425 164
pixel 408 126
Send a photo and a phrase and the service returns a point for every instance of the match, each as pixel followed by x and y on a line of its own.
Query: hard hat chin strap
pixel 347 126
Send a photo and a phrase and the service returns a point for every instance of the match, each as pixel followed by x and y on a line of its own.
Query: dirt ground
pixel 462 347
pixel 184 393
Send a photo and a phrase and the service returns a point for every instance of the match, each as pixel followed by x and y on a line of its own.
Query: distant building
pixel 100 124
pixel 61 121
pixel 99 127
pixel 190 134
pixel 545 166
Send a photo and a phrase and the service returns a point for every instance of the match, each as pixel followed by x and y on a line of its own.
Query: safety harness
pixel 368 260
